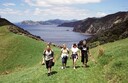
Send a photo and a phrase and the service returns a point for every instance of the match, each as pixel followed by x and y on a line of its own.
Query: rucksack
pixel 52 53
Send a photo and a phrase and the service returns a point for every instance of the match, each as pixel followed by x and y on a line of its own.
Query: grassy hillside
pixel 18 51
pixel 113 61
pixel 21 56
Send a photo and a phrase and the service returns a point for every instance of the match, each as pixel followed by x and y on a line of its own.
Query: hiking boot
pixel 87 65
pixel 62 67
pixel 49 74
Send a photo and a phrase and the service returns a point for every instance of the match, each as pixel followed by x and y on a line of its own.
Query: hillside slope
pixel 21 56
pixel 20 62
pixel 18 51
pixel 17 30
pixel 118 31
pixel 96 25
pixel 18 48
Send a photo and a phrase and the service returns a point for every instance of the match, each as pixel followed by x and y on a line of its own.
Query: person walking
pixel 75 52
pixel 84 53
pixel 64 56
pixel 48 58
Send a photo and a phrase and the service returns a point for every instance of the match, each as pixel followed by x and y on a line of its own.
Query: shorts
pixel 74 56
pixel 49 63
pixel 64 59
pixel 84 58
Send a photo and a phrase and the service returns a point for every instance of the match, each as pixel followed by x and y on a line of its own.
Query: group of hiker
pixel 77 50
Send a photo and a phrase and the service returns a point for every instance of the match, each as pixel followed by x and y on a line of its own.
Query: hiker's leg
pixel 86 60
pixel 62 62
pixel 75 62
pixel 62 65
pixel 73 59
pixel 82 59
pixel 49 71
pixel 66 61
pixel 47 63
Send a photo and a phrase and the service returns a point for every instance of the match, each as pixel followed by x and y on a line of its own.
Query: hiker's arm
pixel 70 54
pixel 61 54
pixel 53 56
pixel 44 53
pixel 43 61
pixel 68 51
pixel 80 53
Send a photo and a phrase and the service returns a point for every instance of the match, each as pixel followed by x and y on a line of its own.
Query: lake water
pixel 56 35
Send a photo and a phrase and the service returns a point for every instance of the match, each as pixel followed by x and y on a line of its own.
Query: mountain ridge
pixel 117 32
pixel 106 29
pixel 94 25
pixel 47 22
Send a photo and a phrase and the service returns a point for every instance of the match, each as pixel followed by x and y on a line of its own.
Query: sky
pixel 40 10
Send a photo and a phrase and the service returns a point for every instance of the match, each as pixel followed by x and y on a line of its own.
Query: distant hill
pixel 105 29
pixel 17 30
pixel 48 22
pixel 55 22
pixel 70 24
pixel 95 25
pixel 116 32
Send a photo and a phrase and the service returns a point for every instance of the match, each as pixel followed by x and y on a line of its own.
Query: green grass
pixel 18 51
pixel 21 57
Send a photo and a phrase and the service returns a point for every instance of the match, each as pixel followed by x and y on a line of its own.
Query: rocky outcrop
pixel 96 25
pixel 116 32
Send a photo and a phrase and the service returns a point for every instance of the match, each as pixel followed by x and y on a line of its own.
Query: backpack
pixel 49 55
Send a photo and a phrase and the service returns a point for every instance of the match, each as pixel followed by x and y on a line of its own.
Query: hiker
pixel 48 58
pixel 75 52
pixel 84 53
pixel 64 56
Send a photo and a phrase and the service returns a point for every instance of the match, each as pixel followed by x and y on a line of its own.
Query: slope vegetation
pixel 18 51
pixel 21 57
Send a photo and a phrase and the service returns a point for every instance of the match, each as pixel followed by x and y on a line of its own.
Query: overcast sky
pixel 36 10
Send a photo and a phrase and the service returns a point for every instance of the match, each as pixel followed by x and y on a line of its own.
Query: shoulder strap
pixel 52 54
pixel 44 53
